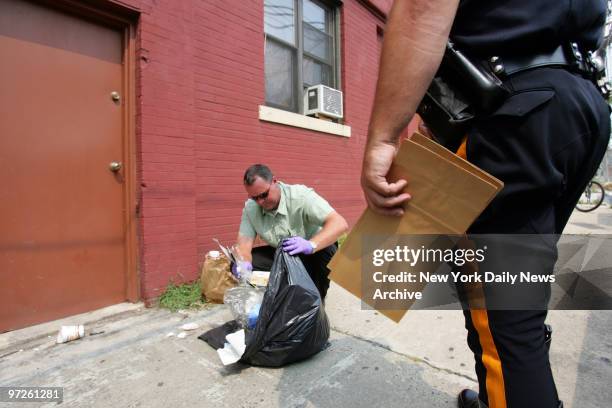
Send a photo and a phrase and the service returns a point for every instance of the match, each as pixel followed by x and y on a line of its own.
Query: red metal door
pixel 62 223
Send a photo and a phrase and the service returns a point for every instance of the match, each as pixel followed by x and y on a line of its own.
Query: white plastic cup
pixel 69 333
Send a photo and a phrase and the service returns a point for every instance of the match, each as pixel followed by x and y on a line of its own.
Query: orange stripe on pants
pixel 490 358
pixel 495 378
pixel 462 151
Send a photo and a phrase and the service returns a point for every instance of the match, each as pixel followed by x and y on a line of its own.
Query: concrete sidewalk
pixel 135 364
pixel 421 362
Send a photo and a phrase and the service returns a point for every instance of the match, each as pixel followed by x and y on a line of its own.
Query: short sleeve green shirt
pixel 300 212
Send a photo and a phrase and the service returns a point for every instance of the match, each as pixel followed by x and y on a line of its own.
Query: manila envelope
pixel 448 194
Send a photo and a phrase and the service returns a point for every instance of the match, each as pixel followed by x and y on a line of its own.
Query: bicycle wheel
pixel 591 198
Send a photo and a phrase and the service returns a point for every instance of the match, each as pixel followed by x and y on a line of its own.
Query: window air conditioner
pixel 323 100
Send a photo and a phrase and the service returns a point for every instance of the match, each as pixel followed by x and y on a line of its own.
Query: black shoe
pixel 469 399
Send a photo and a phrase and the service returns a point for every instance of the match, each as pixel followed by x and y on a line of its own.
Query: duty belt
pixel 505 66
pixel 463 89
pixel 589 64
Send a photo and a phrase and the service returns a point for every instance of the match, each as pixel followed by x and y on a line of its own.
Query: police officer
pixel 544 142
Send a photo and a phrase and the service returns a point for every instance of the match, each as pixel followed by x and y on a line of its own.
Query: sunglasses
pixel 261 196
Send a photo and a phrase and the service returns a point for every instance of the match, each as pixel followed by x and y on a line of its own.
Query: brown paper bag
pixel 216 278
pixel 448 193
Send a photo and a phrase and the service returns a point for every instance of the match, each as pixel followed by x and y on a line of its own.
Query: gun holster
pixel 446 113
pixel 459 91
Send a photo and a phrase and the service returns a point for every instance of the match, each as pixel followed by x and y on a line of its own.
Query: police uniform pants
pixel 545 143
pixel 315 264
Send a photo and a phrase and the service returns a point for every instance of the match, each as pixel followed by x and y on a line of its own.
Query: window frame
pixel 333 6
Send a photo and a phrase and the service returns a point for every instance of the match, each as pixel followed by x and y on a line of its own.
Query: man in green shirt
pixel 293 216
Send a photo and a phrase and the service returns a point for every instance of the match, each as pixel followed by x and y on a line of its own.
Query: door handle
pixel 115 166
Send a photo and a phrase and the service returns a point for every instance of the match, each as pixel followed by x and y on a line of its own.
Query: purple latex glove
pixel 241 268
pixel 297 245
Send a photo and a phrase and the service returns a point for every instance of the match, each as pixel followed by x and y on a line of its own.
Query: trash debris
pixel 181 335
pixel 69 333
pixel 216 277
pixel 189 326
pixel 233 349
pixel 95 333
pixel 252 316
pixel 171 334
pixel 226 251
pixel 291 323
pixel 216 337
pixel 260 278
pixel 233 255
pixel 242 301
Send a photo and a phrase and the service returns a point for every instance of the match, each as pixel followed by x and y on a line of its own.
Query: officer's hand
pixel 382 197
pixel 297 245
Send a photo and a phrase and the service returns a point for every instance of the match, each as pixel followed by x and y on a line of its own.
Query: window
pixel 300 50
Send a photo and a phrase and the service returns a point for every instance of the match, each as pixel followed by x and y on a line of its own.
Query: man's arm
pixel 246 236
pixel 413 47
pixel 334 226
pixel 245 246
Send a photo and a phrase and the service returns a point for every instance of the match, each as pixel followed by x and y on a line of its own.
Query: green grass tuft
pixel 183 296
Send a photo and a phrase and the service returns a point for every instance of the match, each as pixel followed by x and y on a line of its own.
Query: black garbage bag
pixel 292 323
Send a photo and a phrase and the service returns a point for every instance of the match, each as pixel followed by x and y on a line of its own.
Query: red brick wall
pixel 167 121
pixel 200 82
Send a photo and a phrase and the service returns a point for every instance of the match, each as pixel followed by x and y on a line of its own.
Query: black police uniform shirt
pixel 485 28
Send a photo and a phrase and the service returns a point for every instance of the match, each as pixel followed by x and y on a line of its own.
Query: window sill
pixel 269 114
